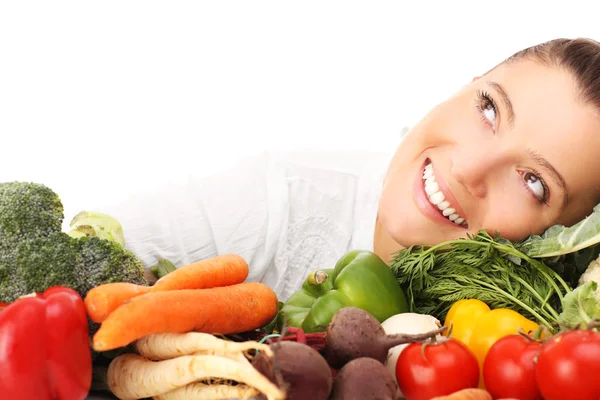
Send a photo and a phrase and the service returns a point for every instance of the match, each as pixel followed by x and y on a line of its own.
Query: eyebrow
pixel 506 100
pixel 554 174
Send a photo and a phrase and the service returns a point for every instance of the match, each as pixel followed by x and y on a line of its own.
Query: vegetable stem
pixel 512 298
pixel 403 338
pixel 535 294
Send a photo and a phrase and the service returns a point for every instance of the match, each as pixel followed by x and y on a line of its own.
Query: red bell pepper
pixel 44 347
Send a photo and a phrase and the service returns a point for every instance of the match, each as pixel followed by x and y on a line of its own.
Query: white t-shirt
pixel 286 214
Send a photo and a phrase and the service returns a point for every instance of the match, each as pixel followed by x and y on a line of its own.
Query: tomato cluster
pixel 566 366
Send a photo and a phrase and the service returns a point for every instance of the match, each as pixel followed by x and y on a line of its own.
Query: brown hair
pixel 581 57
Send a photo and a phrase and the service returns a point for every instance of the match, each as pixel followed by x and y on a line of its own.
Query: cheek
pixel 514 217
pixel 394 205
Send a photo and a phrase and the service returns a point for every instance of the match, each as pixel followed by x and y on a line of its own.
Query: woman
pixel 514 151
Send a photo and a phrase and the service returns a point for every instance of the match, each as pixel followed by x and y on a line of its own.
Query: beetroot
pixel 298 369
pixel 354 333
pixel 365 379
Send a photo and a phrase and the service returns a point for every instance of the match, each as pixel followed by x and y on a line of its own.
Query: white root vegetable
pixel 408 323
pixel 213 392
pixel 239 357
pixel 131 376
pixel 165 346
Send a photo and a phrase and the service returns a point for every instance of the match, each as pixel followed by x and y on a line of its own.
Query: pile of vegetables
pixel 356 348
pixel 520 320
pixel 486 289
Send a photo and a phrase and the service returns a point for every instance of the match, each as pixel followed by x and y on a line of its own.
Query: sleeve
pixel 236 211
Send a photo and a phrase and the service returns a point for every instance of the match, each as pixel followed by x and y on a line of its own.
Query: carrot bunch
pixel 208 296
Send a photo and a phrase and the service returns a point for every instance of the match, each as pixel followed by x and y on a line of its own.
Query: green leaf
pixel 558 239
pixel 163 267
pixel 580 306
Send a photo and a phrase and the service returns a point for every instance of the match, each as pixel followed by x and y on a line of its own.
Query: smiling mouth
pixel 438 199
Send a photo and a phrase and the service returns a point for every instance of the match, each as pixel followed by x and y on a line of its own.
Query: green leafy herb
pixel 487 268
pixel 581 306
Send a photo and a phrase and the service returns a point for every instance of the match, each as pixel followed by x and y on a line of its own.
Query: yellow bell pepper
pixel 478 327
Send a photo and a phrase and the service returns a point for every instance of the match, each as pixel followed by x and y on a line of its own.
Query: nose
pixel 474 167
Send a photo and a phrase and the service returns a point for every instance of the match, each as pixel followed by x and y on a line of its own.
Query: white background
pixel 99 100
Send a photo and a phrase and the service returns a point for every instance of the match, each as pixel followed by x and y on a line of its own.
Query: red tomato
pixel 440 369
pixel 568 366
pixel 509 368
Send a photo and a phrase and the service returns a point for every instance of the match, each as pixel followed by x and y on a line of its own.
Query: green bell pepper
pixel 360 279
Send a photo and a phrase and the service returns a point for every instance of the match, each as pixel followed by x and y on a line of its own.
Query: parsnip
pixel 131 376
pixel 213 392
pixel 236 356
pixel 165 346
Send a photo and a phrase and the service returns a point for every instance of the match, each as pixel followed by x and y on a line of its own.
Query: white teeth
pixel 443 205
pixel 436 198
pixel 431 188
pixel 448 211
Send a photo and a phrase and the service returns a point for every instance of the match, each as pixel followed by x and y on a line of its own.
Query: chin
pixel 413 228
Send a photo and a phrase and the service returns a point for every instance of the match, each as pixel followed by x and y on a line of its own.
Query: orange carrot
pixel 223 310
pixel 467 394
pixel 103 299
pixel 223 270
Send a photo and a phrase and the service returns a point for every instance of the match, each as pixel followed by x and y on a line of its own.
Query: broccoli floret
pixel 28 210
pixel 45 262
pixel 35 254
pixel 104 261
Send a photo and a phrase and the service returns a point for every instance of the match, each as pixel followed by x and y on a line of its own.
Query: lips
pixel 434 198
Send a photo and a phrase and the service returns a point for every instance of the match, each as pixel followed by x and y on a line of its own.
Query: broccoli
pixel 104 261
pixel 35 254
pixel 28 210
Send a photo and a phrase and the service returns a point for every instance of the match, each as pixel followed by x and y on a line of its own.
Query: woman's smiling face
pixel 513 152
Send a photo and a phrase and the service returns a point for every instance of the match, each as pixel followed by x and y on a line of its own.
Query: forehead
pixel 551 118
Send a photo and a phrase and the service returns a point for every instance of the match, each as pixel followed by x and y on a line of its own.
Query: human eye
pixel 486 106
pixel 536 185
